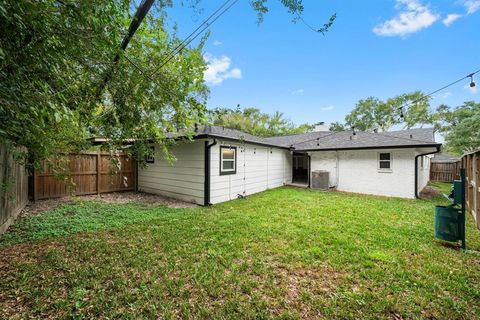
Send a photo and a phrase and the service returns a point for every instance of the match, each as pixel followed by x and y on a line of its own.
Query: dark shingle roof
pixel 287 141
pixel 361 140
pixel 223 132
pixel 326 140
pixel 423 134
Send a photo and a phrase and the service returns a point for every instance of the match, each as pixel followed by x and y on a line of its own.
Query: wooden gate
pixel 445 171
pixel 85 173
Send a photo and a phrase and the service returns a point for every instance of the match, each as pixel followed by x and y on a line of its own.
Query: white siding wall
pixel 358 171
pixel 325 160
pixel 258 168
pixel 183 179
pixel 423 172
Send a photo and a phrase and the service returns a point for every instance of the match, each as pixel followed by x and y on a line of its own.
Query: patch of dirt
pixel 40 206
pixel 429 193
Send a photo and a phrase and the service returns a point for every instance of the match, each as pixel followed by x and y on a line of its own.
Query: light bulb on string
pixel 472 83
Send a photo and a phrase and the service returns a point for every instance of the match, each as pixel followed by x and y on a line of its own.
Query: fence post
pixel 476 192
pixel 34 182
pixel 99 160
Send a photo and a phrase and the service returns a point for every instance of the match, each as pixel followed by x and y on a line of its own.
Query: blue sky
pixel 375 48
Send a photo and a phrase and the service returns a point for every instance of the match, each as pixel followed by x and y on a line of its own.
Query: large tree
pixel 253 121
pixel 407 110
pixel 54 55
pixel 460 126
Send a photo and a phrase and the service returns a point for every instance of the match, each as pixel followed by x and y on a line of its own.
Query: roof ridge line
pixel 293 135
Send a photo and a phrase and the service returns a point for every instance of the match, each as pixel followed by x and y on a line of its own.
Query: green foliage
pixel 253 121
pixel 291 252
pixel 55 55
pixel 460 126
pixel 81 216
pixel 295 8
pixel 373 113
pixel 337 126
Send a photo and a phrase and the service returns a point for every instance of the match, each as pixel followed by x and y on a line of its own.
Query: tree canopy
pixel 460 126
pixel 373 113
pixel 55 54
pixel 253 121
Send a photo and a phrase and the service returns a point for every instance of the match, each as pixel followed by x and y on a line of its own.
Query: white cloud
pixel 219 70
pixel 298 91
pixel 446 95
pixel 216 43
pixel 413 17
pixel 451 18
pixel 327 108
pixel 472 6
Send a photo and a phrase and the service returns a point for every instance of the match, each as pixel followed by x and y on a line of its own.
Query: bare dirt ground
pixel 429 193
pixel 40 206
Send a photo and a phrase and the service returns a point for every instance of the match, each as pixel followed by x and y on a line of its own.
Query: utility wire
pixel 195 33
pixel 198 31
pixel 173 51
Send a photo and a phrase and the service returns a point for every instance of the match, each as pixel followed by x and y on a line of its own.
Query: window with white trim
pixel 385 161
pixel 228 160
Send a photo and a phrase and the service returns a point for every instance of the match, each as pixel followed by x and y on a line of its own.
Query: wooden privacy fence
pixel 445 171
pixel 13 188
pixel 471 161
pixel 85 173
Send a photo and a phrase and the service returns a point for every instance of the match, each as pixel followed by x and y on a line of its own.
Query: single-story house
pixel 222 164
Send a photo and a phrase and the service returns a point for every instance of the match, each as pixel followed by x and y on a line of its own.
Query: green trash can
pixel 448 223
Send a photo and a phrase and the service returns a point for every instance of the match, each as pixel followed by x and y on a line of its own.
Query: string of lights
pixel 472 85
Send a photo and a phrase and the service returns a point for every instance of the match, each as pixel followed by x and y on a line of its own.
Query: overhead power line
pixel 178 48
pixel 195 33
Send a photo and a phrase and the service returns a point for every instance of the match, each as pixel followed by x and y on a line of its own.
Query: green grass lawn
pixel 284 253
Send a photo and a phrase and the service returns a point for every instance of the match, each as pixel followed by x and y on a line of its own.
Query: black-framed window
pixel 228 160
pixel 151 157
pixel 385 161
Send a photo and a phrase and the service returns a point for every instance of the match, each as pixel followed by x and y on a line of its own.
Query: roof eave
pixel 434 145
pixel 209 135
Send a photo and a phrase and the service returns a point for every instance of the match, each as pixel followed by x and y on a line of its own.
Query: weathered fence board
pixel 85 173
pixel 13 188
pixel 471 161
pixel 445 171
